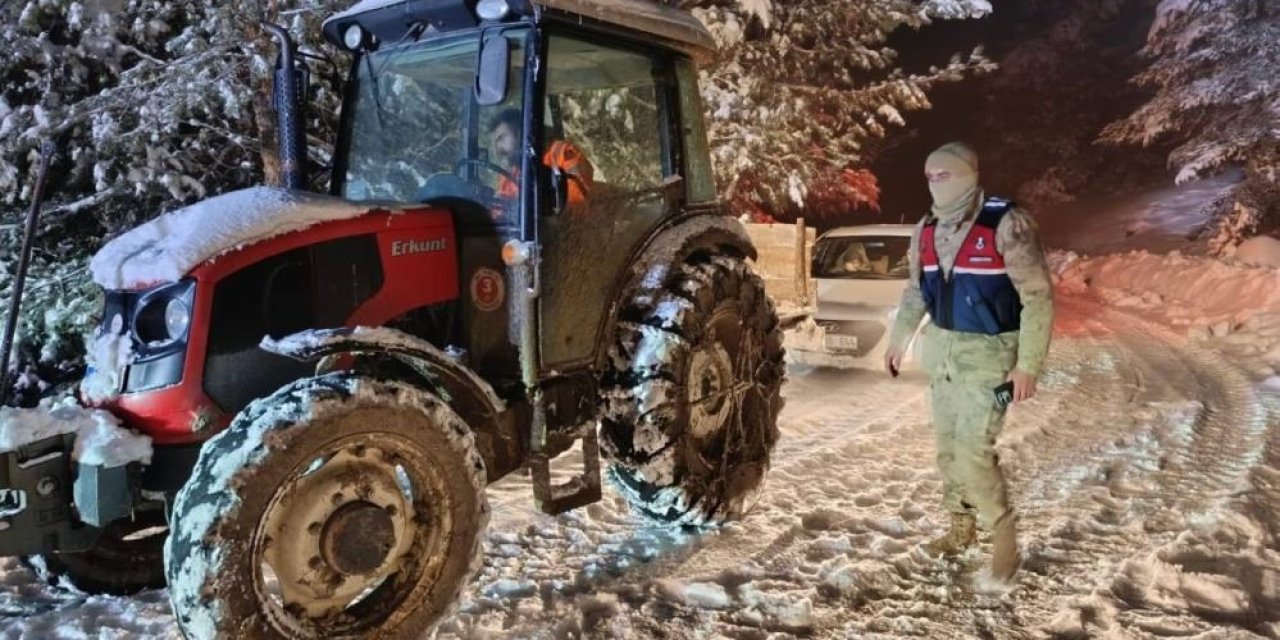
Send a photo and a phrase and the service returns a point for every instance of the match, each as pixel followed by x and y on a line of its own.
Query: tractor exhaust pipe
pixel 20 278
pixel 289 87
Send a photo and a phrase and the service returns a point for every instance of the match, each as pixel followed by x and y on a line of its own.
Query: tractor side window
pixel 306 288
pixel 607 102
pixel 615 106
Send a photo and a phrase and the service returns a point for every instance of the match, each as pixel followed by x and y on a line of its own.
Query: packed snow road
pixel 1145 473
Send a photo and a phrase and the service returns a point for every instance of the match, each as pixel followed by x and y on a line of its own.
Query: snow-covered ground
pixel 1146 473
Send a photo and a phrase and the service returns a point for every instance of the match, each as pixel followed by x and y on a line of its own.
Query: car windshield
pixel 862 257
pixel 416 131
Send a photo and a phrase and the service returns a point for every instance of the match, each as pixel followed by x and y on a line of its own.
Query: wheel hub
pixel 709 382
pixel 357 538
pixel 337 531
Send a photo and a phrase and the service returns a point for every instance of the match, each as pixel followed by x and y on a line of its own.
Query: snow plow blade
pixel 36 489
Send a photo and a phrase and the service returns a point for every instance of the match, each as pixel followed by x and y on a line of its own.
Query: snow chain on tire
pixel 274 448
pixel 678 453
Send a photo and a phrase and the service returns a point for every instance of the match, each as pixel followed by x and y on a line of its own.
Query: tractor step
pixel 581 490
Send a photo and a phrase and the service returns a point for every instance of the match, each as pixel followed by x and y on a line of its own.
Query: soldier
pixel 978 269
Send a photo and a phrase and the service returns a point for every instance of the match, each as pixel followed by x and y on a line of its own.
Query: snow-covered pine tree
pixel 1076 53
pixel 1216 95
pixel 803 86
pixel 152 102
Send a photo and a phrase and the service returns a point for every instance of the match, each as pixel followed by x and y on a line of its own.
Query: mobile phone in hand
pixel 893 371
pixel 1004 395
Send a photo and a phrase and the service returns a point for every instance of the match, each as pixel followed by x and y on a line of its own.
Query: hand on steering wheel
pixel 462 162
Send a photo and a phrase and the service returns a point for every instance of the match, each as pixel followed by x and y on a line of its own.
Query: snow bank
pixel 1262 251
pixel 1189 290
pixel 166 248
pixel 100 440
pixel 1233 305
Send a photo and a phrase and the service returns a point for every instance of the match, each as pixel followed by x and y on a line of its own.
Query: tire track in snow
pixel 1196 429
pixel 834 421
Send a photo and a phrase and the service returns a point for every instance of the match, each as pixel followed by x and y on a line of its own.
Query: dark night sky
pixel 1041 110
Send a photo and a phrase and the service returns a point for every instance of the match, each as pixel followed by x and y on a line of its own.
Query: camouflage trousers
pixel 964 369
pixel 967 422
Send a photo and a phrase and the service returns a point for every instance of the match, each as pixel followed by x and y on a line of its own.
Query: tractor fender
pixel 684 235
pixel 668 246
pixel 466 393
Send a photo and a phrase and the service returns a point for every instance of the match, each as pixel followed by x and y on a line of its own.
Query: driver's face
pixel 503 143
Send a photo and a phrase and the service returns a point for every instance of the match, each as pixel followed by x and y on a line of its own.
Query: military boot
pixel 962 534
pixel 1005 558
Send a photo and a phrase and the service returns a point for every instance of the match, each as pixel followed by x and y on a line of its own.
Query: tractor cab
pixel 476 111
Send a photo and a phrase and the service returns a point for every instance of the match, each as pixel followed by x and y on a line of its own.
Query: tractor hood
pixel 166 248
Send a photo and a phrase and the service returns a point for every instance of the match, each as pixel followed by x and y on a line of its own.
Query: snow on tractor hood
pixel 168 247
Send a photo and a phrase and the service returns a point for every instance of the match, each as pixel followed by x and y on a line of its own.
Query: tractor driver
pixel 504 146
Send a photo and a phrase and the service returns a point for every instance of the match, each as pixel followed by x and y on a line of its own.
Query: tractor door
pixel 615 107
pixel 413 131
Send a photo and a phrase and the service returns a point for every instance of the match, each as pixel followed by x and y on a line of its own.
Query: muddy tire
pixel 341 506
pixel 127 558
pixel 692 393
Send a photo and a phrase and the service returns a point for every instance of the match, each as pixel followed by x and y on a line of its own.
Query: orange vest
pixel 568 158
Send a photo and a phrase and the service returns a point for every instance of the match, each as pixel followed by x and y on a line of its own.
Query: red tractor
pixel 331 381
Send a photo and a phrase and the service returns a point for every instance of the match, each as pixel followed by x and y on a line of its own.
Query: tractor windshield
pixel 415 132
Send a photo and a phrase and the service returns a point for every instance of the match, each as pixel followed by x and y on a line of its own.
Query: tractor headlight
pixel 162 321
pixel 492 10
pixel 353 37
pixel 177 317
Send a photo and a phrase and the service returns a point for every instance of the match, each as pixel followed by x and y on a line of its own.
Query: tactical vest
pixel 978 297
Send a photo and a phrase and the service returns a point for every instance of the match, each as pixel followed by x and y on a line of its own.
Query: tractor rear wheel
pixel 693 392
pixel 341 506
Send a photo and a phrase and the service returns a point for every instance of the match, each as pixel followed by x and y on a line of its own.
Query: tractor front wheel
pixel 693 392
pixel 340 506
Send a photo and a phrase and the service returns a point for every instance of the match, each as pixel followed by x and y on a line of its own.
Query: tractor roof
pixel 390 20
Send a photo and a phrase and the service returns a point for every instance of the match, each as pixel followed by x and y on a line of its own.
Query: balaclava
pixel 958 195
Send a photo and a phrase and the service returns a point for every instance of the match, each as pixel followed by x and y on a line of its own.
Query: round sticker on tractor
pixel 487 289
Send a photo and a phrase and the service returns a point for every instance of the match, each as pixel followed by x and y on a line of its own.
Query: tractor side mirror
pixel 491 72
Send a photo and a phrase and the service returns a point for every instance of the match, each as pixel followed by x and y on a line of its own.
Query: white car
pixel 860 273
